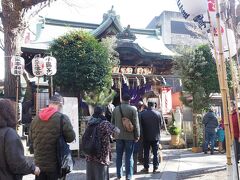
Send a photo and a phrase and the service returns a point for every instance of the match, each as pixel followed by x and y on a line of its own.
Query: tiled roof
pixel 148 40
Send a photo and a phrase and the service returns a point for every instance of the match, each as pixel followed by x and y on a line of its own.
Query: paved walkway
pixel 177 165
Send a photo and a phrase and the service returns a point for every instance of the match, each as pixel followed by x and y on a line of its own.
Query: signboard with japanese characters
pixel 144 70
pixel 126 70
pixel 50 66
pixel 132 70
pixel 115 69
pixel 17 65
pixel 38 66
pixel 70 108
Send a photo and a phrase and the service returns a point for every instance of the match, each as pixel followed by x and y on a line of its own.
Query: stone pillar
pixel 178 118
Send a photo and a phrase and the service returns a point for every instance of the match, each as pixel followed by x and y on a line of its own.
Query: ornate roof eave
pixel 150 32
pixel 106 24
pixel 130 44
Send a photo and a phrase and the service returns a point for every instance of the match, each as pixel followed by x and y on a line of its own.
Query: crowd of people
pixel 145 134
pixel 215 134
pixel 135 130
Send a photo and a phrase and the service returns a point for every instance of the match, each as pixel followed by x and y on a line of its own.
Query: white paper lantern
pixel 50 66
pixel 191 10
pixel 17 65
pixel 38 66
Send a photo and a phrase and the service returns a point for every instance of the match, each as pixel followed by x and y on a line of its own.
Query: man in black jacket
pixel 151 121
pixel 210 123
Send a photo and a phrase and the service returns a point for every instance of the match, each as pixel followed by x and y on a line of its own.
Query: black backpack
pixel 91 142
pixel 64 156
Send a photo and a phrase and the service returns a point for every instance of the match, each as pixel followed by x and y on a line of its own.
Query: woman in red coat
pixel 236 131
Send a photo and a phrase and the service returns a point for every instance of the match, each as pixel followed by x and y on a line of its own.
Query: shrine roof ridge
pixel 58 22
pixel 96 27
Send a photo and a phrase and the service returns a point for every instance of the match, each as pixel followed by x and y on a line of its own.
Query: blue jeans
pixel 126 146
pixel 209 138
pixel 146 146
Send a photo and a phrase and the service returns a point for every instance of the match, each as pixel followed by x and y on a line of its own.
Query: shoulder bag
pixel 64 156
pixel 126 122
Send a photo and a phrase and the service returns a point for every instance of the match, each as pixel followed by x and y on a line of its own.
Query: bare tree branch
pixel 1 44
pixel 29 3
pixel 1 28
pixel 36 12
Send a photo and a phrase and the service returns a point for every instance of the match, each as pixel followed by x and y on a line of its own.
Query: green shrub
pixel 173 130
pixel 83 63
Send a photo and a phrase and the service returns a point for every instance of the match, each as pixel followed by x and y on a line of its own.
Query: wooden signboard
pixel 70 108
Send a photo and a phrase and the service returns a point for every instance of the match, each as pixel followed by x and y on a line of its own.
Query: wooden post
pixel 235 86
pixel 223 79
pixel 219 71
pixel 37 96
pixel 195 139
pixel 235 81
pixel 120 88
pixel 17 89
pixel 50 86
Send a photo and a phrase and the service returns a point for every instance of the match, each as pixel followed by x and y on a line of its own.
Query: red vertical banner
pixel 166 100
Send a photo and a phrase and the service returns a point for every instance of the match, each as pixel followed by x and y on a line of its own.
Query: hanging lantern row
pixel 40 66
pixel 198 13
pixel 44 66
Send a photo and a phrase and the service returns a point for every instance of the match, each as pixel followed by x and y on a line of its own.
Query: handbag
pixel 126 122
pixel 64 156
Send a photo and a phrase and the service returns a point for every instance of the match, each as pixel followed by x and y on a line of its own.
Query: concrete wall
pixel 172 39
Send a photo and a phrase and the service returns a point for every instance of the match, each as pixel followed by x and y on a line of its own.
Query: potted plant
pixel 175 132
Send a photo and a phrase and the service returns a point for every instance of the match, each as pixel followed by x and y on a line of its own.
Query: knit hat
pixel 56 99
pixel 98 110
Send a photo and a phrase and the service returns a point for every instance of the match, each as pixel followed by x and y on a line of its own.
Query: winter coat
pixel 210 122
pixel 44 132
pixel 235 125
pixel 13 164
pixel 105 129
pixel 151 121
pixel 131 113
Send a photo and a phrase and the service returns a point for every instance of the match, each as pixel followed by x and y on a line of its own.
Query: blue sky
pixel 136 13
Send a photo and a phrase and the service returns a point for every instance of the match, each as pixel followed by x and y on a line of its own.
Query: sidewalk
pixel 177 165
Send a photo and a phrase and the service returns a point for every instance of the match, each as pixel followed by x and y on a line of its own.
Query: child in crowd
pixel 220 137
